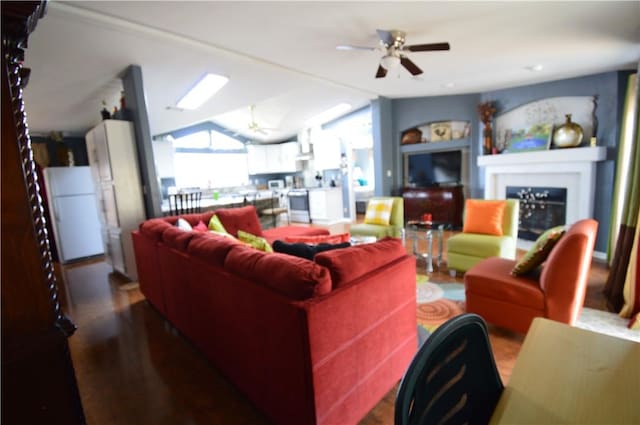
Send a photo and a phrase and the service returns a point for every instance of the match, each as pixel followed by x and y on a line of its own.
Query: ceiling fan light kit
pixel 392 44
pixel 390 61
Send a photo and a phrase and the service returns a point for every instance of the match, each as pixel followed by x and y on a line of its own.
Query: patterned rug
pixel 439 302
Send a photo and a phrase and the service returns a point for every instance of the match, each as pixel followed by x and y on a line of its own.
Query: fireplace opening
pixel 540 209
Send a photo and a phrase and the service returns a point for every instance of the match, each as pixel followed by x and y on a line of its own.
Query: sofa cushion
pixel 154 227
pixel 539 252
pixel 282 232
pixel 210 247
pixel 484 217
pixel 176 238
pixel 296 278
pixel 304 250
pixel 242 218
pixel 480 246
pixel 317 239
pixel 347 265
pixel 258 242
pixel 491 278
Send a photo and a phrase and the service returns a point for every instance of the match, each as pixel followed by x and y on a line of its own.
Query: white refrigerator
pixel 74 212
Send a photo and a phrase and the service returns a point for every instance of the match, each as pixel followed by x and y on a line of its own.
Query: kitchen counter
pixel 261 201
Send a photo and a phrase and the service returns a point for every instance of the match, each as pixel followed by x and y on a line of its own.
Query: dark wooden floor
pixel 132 368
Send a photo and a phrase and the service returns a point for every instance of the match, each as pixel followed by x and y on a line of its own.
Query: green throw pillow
pixel 215 224
pixel 539 252
pixel 255 241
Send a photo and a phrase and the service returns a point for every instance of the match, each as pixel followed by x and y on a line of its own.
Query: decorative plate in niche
pixel 437 131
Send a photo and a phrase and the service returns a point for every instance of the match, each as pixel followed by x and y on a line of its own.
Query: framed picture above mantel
pixel 436 131
pixel 532 126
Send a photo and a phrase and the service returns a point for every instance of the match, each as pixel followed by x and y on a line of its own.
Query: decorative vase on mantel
pixel 568 135
pixel 487 142
pixel 486 111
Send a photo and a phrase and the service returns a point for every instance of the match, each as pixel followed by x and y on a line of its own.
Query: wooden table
pixel 570 375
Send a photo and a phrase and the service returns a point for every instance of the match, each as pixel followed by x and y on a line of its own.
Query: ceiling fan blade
pixel 349 47
pixel 427 47
pixel 386 37
pixel 411 67
pixel 381 72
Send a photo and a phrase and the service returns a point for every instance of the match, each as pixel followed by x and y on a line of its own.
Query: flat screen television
pixel 434 169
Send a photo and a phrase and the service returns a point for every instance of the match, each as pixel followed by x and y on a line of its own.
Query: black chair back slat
pixel 185 203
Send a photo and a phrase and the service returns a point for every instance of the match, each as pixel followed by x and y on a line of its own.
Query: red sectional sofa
pixel 308 342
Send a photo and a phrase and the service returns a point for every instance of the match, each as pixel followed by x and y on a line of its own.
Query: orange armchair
pixel 557 292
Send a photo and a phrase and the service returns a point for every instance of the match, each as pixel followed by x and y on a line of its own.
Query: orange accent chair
pixel 557 292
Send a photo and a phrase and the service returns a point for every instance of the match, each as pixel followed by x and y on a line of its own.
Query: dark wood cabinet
pixel 444 203
pixel 38 379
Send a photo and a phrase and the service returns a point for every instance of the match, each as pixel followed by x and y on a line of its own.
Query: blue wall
pixel 608 87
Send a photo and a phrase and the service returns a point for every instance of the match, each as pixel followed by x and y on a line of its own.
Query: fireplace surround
pixel 573 169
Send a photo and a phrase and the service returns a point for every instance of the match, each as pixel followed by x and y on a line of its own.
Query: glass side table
pixel 426 230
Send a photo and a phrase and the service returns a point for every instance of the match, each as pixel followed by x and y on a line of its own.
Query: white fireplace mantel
pixel 572 168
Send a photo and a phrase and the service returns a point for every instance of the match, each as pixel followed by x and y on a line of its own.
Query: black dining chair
pixel 185 203
pixel 452 379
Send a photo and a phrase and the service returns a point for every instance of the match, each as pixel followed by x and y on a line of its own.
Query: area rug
pixel 438 302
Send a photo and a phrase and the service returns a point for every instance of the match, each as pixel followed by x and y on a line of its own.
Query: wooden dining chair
pixel 185 203
pixel 453 378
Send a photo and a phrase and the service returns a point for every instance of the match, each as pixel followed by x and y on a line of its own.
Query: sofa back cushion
pixel 347 265
pixel 154 228
pixel 296 278
pixel 243 218
pixel 210 247
pixel 177 238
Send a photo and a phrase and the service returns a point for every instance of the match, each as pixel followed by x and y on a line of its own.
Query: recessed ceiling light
pixel 329 114
pixel 203 90
pixel 534 68
pixel 448 85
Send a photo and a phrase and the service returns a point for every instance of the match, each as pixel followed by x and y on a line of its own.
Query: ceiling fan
pixel 255 127
pixel 392 46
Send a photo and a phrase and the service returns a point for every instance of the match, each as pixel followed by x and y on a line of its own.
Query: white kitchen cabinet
pixel 257 159
pixel 288 154
pixel 272 158
pixel 326 151
pixel 325 205
pixel 114 165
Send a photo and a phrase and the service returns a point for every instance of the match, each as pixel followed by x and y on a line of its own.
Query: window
pixel 209 158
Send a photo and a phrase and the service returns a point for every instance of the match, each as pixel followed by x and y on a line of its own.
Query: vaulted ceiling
pixel 282 56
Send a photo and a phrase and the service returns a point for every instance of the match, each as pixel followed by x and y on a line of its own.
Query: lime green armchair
pixel 393 229
pixel 464 250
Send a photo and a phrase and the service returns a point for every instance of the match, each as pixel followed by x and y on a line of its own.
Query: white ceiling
pixel 281 56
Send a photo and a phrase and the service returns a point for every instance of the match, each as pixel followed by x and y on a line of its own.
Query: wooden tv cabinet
pixel 444 203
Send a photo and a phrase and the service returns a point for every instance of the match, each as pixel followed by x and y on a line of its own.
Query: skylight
pixel 202 91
